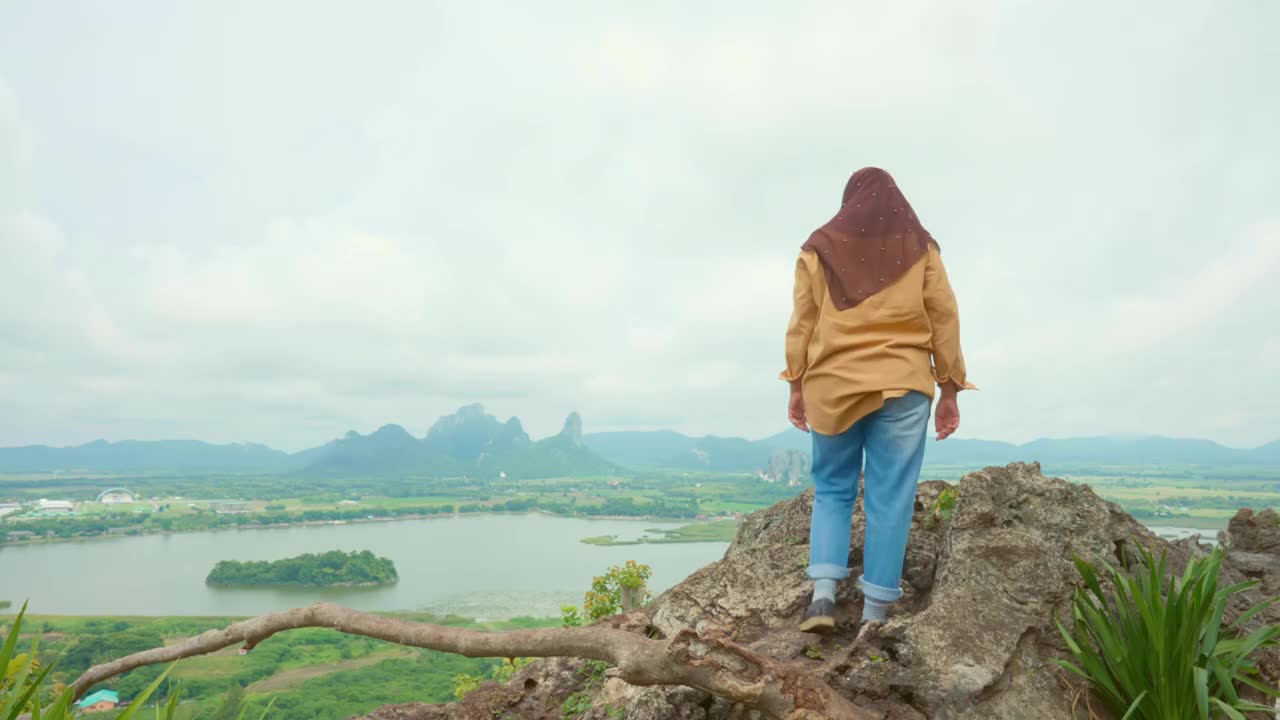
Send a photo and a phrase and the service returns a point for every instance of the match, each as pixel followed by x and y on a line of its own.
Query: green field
pixel 310 673
pixel 184 504
pixel 1172 495
pixel 711 531
pixel 1198 502
pixel 1187 496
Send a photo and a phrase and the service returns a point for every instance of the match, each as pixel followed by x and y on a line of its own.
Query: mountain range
pixel 472 442
pixel 468 442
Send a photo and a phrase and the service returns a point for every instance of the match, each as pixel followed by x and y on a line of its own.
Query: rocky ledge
pixel 973 638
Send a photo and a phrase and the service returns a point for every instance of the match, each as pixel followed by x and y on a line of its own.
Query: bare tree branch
pixel 781 691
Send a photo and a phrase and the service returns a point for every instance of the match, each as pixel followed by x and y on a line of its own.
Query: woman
pixel 872 306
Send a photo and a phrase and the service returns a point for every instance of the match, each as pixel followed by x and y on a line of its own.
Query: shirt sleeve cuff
pixel 790 376
pixel 959 380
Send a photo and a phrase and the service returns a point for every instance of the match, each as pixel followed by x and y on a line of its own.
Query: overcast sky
pixel 275 222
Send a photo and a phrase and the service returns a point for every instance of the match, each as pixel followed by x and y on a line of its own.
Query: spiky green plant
pixel 1154 646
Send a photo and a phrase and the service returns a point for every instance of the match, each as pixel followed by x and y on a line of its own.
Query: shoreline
pixel 406 614
pixel 352 521
pixel 297 586
pixel 1195 525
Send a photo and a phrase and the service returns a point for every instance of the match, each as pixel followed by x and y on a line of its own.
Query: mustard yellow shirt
pixel 905 337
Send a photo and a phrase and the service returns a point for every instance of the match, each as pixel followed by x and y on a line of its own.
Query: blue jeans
pixel 893 439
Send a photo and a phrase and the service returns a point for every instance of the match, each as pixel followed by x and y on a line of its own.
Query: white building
pixel 115 496
pixel 55 506
pixel 225 507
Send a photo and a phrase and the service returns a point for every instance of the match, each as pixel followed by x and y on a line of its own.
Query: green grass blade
pixel 1238 588
pixel 1069 667
pixel 1200 682
pixel 1090 578
pixel 143 696
pixel 1259 686
pixel 1251 612
pixel 1254 640
pixel 1133 708
pixel 1230 711
pixel 171 707
pixel 11 642
pixel 1226 688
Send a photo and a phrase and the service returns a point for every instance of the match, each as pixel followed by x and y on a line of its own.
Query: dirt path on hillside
pixel 296 676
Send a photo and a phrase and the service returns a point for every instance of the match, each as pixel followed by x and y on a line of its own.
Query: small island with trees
pixel 331 569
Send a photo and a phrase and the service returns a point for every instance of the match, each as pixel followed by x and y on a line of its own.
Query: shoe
pixel 820 617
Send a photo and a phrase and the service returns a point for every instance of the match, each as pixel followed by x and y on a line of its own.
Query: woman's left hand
pixel 795 408
pixel 946 419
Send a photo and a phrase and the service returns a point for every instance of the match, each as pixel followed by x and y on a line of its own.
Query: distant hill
pixel 468 442
pixel 672 450
pixel 1151 450
pixel 646 448
pixel 470 435
pixel 388 450
pixel 148 456
pixel 559 455
pixel 1268 454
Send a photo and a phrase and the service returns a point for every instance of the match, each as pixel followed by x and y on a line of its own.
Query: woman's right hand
pixel 795 408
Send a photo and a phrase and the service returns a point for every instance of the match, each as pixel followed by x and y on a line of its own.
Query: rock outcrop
pixel 787 466
pixel 973 638
pixel 572 430
pixel 1252 542
pixel 1254 532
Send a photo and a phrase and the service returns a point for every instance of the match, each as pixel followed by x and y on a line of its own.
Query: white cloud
pixel 14 148
pixel 1205 292
pixel 600 210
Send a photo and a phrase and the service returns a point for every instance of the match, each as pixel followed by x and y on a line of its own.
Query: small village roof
pixel 110 696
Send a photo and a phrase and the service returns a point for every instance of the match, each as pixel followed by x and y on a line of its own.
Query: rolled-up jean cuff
pixel 828 571
pixel 879 592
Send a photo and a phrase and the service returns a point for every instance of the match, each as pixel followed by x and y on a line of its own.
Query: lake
pixel 484 566
pixel 1209 537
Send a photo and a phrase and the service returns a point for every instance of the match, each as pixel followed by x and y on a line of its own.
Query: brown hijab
pixel 874 238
